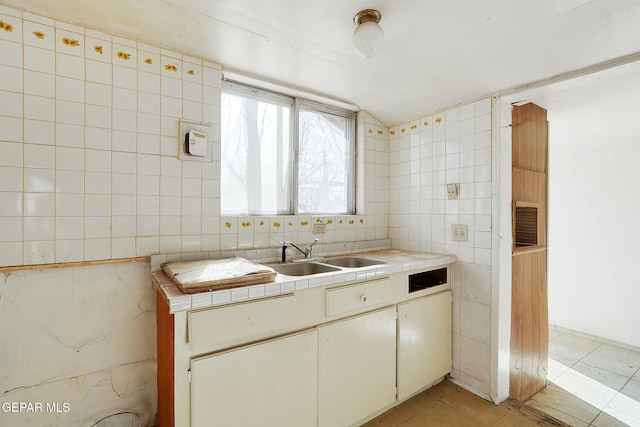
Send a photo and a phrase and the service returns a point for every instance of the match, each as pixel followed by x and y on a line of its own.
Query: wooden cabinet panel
pixel 165 347
pixel 529 325
pixel 356 367
pixel 516 358
pixel 273 383
pixel 529 137
pixel 529 312
pixel 424 342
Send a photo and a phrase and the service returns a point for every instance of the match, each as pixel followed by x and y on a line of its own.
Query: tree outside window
pixel 270 166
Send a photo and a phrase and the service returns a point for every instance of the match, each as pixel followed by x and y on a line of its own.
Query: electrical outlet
pixel 319 228
pixel 452 191
pixel 460 233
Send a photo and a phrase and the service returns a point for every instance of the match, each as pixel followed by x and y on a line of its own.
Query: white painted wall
pixel 594 232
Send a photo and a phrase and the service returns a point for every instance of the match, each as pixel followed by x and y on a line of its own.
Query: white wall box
pixel 187 152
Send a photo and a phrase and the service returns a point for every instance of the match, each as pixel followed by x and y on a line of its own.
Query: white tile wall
pixel 94 129
pixel 451 146
pixel 81 137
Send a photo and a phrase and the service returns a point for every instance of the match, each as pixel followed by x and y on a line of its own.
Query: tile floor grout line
pixel 627 383
pixel 601 410
pixel 559 335
pixel 586 355
pixel 609 370
pixel 596 417
pixel 618 392
pixel 582 360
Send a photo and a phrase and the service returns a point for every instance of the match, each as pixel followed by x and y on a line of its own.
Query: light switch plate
pixel 460 233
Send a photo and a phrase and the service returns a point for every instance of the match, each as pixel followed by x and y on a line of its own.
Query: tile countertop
pixel 396 262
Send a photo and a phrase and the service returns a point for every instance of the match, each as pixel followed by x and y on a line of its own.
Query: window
pixel 284 155
pixel 256 150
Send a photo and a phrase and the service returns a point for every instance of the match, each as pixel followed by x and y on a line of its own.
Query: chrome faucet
pixel 306 252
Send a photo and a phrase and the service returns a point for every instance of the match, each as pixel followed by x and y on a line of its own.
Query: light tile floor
pixel 592 381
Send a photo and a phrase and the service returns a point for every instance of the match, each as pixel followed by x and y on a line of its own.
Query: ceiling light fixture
pixel 368 36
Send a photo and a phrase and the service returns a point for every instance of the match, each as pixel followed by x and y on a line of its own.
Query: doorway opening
pixel 591 261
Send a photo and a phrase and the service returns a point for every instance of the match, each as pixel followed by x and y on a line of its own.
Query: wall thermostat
pixel 196 143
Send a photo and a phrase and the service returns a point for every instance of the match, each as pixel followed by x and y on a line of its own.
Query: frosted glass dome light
pixel 368 36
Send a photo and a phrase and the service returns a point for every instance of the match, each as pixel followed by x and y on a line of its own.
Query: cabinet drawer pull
pixel 358 296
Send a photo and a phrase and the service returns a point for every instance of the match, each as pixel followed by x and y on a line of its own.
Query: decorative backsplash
pixel 6 26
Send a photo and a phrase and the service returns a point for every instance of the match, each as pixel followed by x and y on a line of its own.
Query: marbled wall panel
pixel 84 336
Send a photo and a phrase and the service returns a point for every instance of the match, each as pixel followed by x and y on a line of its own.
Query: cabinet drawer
pixel 217 328
pixel 355 297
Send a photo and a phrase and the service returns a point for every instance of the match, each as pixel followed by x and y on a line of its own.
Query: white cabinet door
pixel 424 342
pixel 357 367
pixel 273 383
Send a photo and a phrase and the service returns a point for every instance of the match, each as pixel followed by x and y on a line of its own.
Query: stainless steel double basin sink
pixel 306 268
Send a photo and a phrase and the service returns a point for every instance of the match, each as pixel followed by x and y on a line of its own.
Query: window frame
pixel 297 104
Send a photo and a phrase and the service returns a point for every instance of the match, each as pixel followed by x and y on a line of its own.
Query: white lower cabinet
pixel 424 342
pixel 323 357
pixel 356 367
pixel 273 383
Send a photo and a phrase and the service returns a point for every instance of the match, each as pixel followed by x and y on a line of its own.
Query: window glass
pixel 256 156
pixel 269 166
pixel 323 163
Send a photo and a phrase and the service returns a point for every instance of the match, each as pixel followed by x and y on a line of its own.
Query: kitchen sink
pixel 353 262
pixel 303 268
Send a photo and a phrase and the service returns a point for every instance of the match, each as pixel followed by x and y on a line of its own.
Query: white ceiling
pixel 605 111
pixel 436 54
